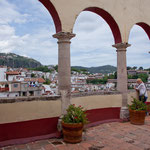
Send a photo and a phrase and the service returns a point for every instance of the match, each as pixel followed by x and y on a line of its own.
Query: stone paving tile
pixel 110 136
pixel 73 147
pixel 42 142
pixel 48 147
pixel 34 146
pixel 86 145
pixel 21 147
pixel 9 148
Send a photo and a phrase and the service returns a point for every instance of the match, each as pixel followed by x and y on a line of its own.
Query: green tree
pixel 32 75
pixel 143 76
pixel 98 81
pixel 74 69
pixel 112 76
pixel 140 68
pixel 56 68
pixel 134 68
pixel 84 70
pixel 41 68
pixel 129 68
pixel 130 77
pixel 47 81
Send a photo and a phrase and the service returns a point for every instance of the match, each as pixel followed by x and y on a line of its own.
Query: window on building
pixel 24 94
pixel 31 93
pixel 15 85
pixel 6 86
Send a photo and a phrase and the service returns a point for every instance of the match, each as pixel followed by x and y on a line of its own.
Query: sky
pixel 26 29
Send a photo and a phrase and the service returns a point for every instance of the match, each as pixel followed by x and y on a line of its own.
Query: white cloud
pixel 137 54
pixel 98 43
pixel 10 14
pixel 26 28
pixel 37 42
pixel 92 45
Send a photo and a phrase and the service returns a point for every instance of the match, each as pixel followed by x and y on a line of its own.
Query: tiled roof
pixel 40 80
pixel 13 73
pixel 115 80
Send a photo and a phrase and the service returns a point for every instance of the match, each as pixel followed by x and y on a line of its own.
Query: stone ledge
pixel 82 94
pixel 28 99
pixel 57 97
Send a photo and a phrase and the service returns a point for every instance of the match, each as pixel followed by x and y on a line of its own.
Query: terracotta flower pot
pixel 137 117
pixel 72 132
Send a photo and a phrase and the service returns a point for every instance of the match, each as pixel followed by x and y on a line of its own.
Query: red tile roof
pixel 13 73
pixel 115 80
pixel 40 80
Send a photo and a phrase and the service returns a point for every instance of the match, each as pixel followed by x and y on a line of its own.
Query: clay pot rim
pixel 137 110
pixel 72 124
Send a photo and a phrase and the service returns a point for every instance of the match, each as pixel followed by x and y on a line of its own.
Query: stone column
pixel 122 79
pixel 64 68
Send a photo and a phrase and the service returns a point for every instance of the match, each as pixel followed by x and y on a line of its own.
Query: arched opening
pixel 110 20
pixel 138 54
pixel 50 7
pixel 140 46
pixel 145 27
pixel 26 29
pixel 92 46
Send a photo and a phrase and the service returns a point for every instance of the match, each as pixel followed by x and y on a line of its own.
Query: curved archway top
pixel 120 14
pixel 110 20
pixel 145 27
pixel 52 10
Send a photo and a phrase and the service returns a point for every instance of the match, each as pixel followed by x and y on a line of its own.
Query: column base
pixel 124 114
pixel 65 100
pixel 59 125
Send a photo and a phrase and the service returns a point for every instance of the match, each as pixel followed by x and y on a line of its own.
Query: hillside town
pixel 15 82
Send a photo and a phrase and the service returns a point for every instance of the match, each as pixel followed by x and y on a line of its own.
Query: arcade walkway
pixel 108 136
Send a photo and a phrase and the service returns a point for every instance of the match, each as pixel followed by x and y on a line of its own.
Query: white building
pixel 3 73
pixel 11 75
pixel 47 90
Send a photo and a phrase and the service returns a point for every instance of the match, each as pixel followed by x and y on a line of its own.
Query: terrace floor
pixel 108 136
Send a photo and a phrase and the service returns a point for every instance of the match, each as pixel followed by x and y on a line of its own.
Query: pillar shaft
pixel 64 68
pixel 122 79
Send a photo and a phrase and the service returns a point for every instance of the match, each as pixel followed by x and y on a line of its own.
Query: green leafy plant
pixel 75 114
pixel 137 105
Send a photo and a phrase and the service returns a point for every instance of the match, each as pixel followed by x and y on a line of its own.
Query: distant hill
pixel 16 61
pixel 101 69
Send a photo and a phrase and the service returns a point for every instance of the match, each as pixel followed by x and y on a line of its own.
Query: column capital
pixel 64 35
pixel 121 46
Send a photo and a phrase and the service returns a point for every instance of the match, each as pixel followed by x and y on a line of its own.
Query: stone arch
pixel 145 27
pixel 110 20
pixel 51 9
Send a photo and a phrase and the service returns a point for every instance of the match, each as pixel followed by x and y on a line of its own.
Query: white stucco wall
pixel 125 12
pixel 3 74
pixel 30 110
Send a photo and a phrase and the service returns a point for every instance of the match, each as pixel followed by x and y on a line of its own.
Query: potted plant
pixel 73 122
pixel 137 112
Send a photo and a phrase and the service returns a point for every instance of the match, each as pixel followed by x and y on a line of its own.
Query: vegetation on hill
pixel 101 69
pixel 142 76
pixel 83 71
pixel 17 61
pixel 103 80
pixel 41 68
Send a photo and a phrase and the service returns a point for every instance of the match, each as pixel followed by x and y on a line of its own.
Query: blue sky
pixel 26 28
